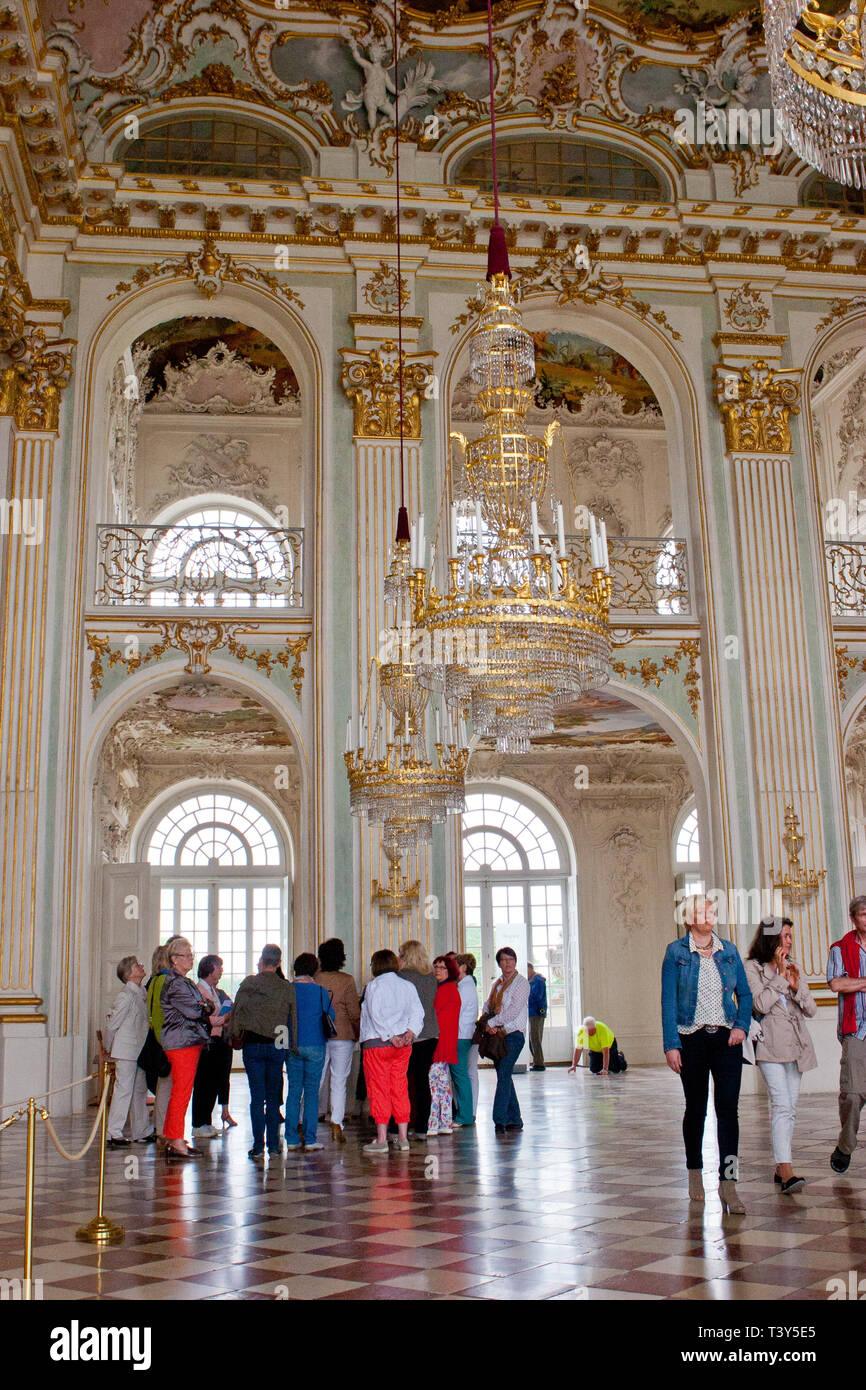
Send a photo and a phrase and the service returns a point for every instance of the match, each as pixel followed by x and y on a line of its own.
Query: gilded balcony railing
pixel 204 565
pixel 846 576
pixel 650 573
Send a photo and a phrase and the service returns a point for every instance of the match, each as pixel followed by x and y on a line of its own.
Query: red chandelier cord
pixel 403 532
pixel 497 251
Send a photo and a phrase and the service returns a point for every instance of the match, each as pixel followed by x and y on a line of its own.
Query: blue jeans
pixel 506 1111
pixel 263 1063
pixel 304 1069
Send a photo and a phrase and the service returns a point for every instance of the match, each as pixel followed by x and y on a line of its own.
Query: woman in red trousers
pixel 447 1004
pixel 184 1034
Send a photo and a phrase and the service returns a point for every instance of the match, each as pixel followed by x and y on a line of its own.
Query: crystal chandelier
pixel 818 77
pixel 513 635
pixel 393 780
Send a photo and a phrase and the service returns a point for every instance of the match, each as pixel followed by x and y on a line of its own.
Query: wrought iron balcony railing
pixel 846 576
pixel 205 565
pixel 650 573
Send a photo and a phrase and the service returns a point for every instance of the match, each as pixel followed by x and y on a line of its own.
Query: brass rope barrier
pixel 99 1231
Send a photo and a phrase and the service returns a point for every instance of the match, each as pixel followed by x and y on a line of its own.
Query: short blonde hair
pixel 690 908
pixel 176 946
pixel 414 957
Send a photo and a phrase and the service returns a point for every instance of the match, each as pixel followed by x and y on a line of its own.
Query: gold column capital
pixel 371 380
pixel 756 403
pixel 34 369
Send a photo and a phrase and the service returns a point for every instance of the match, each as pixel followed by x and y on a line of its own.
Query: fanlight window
pixel 214 826
pixel 688 846
pixel 220 555
pixel 524 842
pixel 555 168
pixel 820 192
pixel 214 147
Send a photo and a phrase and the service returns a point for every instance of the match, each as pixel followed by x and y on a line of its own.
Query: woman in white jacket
pixel 124 1035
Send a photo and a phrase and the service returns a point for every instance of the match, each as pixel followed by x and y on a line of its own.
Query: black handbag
pixel 329 1027
pixel 153 1061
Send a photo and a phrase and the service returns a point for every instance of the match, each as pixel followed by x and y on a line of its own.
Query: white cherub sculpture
pixel 377 79
pixel 418 84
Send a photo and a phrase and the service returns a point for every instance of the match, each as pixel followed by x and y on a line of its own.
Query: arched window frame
pixel 596 145
pixel 851 201
pixel 164 121
pixel 272 554
pixel 525 887
pixel 225 910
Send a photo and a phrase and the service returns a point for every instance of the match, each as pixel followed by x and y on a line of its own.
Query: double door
pixel 529 915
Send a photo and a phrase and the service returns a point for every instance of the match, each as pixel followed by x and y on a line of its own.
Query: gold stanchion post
pixel 101 1231
pixel 28 1198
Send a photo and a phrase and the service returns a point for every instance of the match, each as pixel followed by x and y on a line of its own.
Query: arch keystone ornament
pixel 209 269
pixel 756 403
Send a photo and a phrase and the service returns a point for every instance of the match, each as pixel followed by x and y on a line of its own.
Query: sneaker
pixel 275 1153
pixel 402 1146
pixel 311 1148
pixel 416 1134
pixel 446 1131
pixel 205 1132
pixel 294 1148
pixel 431 1134
pixel 375 1148
pixel 256 1155
pixel 839 1162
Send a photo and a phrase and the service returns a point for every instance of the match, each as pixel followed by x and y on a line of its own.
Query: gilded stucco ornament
pixel 845 664
pixel 197 638
pixel 371 380
pixel 756 404
pixel 209 269
pixel 744 309
pixel 34 369
pixel 653 672
pixel 572 277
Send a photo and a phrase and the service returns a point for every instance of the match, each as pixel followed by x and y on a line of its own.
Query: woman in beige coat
pixel 347 1019
pixel 782 1001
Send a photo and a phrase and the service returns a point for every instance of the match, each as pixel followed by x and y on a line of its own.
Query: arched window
pixel 217 147
pixel 686 854
pixel 223 556
pixel 821 192
pixel 515 884
pixel 561 168
pixel 223 874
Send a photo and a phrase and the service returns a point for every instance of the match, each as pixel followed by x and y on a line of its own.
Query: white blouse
pixel 391 1006
pixel 468 1007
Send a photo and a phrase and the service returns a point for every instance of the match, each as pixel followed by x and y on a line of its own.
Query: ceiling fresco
pixel 570 366
pixel 195 717
pixel 599 720
pixel 185 340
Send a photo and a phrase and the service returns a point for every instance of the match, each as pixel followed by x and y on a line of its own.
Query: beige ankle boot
pixel 730 1199
pixel 696 1185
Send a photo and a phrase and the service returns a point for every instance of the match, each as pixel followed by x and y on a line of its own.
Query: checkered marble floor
pixel 588 1202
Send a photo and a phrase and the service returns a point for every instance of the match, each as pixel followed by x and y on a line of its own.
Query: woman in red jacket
pixel 447 1004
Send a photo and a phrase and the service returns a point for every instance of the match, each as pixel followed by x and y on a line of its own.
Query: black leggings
pixel 708 1054
pixel 419 1084
pixel 211 1081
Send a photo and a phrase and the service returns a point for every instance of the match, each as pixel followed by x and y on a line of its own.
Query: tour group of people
pixel 417 1024
pixel 419 1033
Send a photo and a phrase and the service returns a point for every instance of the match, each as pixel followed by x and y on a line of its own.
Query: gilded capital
pixel 371 380
pixel 756 403
pixel 34 369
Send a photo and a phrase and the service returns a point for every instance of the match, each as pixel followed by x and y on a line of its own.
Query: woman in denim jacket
pixel 706 1010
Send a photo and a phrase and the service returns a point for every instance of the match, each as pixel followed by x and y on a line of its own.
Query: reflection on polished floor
pixel 588 1202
